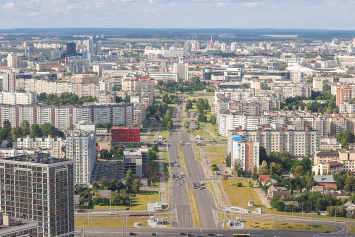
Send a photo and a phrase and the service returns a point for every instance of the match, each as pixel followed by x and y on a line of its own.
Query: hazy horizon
pixel 163 14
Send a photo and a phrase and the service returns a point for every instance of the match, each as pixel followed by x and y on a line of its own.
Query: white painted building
pixel 18 98
pixel 80 146
pixel 54 144
pixel 246 152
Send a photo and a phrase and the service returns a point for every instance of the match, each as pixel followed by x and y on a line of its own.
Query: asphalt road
pixel 179 196
pixel 117 232
pixel 204 198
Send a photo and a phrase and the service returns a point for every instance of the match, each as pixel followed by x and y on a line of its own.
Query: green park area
pixel 216 149
pixel 238 195
pixel 287 226
pixel 217 159
pixel 138 202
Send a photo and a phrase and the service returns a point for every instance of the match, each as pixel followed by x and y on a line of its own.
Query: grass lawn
pixel 144 131
pixel 151 134
pixel 213 129
pixel 215 149
pixel 139 202
pixel 165 155
pixel 166 167
pixel 165 133
pixel 156 125
pixel 106 223
pixel 217 159
pixel 236 194
pixel 202 125
pixel 182 160
pixel 195 215
pixel 268 225
pixel 203 133
pixel 154 183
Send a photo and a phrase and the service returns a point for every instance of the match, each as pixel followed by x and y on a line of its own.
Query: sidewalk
pixel 209 176
pixel 206 128
pixel 262 196
pixel 164 199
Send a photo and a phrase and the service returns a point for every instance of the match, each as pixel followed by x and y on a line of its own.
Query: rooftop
pixel 40 158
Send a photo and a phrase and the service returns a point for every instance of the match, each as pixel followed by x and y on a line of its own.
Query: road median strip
pixel 195 214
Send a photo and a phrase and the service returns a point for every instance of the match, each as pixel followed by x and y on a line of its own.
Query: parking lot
pixel 107 170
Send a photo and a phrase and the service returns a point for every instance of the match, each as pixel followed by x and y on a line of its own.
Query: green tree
pixel 275 168
pixel 262 154
pixel 349 183
pixel 228 160
pixel 157 117
pixel 131 145
pixel 188 104
pixel 155 147
pixel 263 168
pixel 25 127
pixel 48 129
pixel 108 125
pixel 299 170
pixel 7 124
pixel 104 183
pixel 99 125
pixel 129 179
pixel 35 130
pixel 16 133
pixel 136 185
pixel 225 178
pixel 345 137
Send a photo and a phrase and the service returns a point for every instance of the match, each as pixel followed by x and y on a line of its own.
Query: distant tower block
pixel 250 203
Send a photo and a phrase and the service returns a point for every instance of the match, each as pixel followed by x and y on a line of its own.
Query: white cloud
pixel 34 13
pixel 151 1
pixel 8 5
pixel 87 8
pixel 252 4
pixel 126 0
pixel 68 8
pixel 59 1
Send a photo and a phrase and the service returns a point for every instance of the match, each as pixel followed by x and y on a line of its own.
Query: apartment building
pixel 54 144
pixel 321 157
pixel 139 114
pixel 245 152
pixel 346 108
pixel 230 121
pixel 299 143
pixel 80 146
pixel 39 188
pixel 11 152
pixel 63 116
pixel 343 94
pixel 20 98
pixel 138 84
pixel 20 227
pixel 58 87
pixel 329 143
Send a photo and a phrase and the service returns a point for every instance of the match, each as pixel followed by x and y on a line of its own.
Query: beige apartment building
pixel 54 144
pixel 138 84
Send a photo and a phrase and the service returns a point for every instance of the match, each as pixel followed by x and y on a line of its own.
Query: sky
pixel 279 14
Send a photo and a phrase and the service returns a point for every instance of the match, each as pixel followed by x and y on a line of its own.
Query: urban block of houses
pixel 325 180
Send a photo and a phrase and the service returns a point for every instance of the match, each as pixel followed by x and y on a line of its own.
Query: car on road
pixel 112 213
pixel 190 235
pixel 182 233
pixel 174 161
pixel 220 235
pixel 131 233
pixel 178 165
pixel 327 231
pixel 200 236
pixel 154 234
pixel 144 217
pixel 211 234
pixel 179 183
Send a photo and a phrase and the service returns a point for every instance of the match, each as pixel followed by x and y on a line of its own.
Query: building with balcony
pixel 80 146
pixel 39 188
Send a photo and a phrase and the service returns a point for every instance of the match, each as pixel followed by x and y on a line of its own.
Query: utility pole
pixel 122 228
pixel 302 210
pixel 292 214
pixel 276 223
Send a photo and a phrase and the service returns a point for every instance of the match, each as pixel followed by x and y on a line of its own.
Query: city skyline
pixel 297 14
